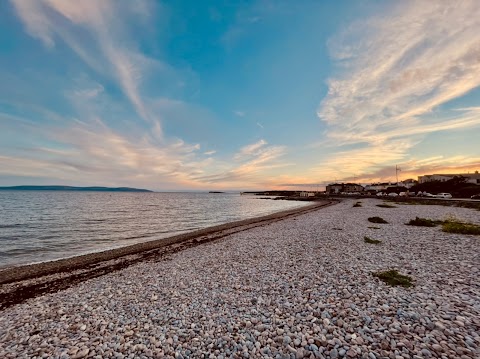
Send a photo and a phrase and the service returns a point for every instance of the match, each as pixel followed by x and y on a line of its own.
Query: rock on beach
pixel 295 288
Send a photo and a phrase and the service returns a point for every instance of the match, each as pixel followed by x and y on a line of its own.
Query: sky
pixel 223 95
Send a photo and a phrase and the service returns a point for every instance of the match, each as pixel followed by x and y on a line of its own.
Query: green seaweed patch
pixel 386 205
pixel 377 220
pixel 422 222
pixel 439 202
pixel 374 227
pixel 358 204
pixel 371 241
pixel 393 278
pixel 460 228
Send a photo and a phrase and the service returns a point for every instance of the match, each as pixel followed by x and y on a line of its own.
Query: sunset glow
pixel 180 95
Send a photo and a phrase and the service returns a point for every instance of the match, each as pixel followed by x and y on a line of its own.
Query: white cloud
pixel 252 167
pixel 394 71
pixel 89 93
pixel 37 25
pixel 92 153
pixel 89 152
pixel 251 150
pixel 99 142
pixel 95 31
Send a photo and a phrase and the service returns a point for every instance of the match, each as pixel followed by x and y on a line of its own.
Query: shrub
pixel 422 222
pixel 393 278
pixel 358 204
pixel 377 220
pixel 371 241
pixel 460 228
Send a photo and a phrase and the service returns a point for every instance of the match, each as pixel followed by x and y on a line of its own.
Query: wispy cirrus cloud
pixel 252 164
pixel 250 150
pixel 91 149
pixel 97 139
pixel 394 71
pixel 81 151
pixel 97 32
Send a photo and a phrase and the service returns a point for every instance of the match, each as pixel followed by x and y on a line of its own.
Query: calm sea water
pixel 37 226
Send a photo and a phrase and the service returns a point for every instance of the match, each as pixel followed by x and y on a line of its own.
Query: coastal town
pixel 461 185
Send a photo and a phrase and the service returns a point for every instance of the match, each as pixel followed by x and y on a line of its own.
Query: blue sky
pixel 173 95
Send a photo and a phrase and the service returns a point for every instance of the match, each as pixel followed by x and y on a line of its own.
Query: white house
pixel 307 194
pixel 470 177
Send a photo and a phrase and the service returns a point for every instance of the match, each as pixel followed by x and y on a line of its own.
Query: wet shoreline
pixel 18 284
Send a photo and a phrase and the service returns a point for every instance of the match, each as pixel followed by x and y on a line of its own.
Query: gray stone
pixel 333 353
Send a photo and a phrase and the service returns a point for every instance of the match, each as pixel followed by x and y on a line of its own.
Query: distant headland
pixel 71 188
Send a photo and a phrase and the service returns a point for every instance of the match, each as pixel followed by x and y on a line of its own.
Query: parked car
pixel 403 194
pixel 392 194
pixel 379 194
pixel 443 195
pixel 475 196
pixel 424 194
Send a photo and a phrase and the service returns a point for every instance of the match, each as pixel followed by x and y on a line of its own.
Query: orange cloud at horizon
pixel 411 169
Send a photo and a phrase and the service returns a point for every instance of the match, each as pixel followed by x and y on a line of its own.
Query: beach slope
pixel 300 287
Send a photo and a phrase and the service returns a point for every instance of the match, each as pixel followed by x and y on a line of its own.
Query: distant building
pixel 352 187
pixel 336 188
pixel 378 186
pixel 433 178
pixel 469 177
pixel 307 194
pixel 408 183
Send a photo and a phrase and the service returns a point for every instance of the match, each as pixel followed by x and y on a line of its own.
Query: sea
pixel 39 226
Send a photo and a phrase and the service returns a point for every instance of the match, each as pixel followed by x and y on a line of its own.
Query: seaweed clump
pixel 393 278
pixel 377 220
pixel 422 222
pixel 371 241
pixel 460 228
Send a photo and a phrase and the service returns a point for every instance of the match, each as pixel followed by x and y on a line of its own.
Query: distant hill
pixel 70 188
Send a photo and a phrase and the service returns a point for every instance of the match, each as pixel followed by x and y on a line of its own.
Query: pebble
pixel 290 289
pixel 426 353
pixel 333 353
pixel 351 353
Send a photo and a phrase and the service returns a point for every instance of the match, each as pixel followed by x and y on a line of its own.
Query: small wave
pixel 40 232
pixel 94 221
pixel 49 237
pixel 16 225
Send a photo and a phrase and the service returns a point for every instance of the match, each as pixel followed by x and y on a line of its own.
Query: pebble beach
pixel 301 287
